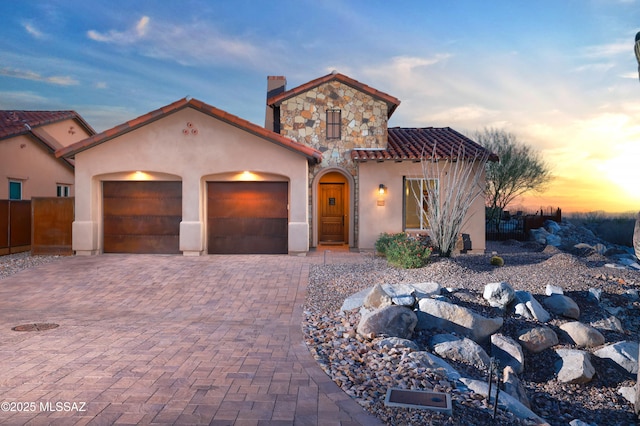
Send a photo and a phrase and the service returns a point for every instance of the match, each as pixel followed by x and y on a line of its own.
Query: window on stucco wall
pixel 333 123
pixel 15 190
pixel 415 197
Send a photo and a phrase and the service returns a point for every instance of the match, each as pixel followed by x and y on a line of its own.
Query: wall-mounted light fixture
pixel 382 189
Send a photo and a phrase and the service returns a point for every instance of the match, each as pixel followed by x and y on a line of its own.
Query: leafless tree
pixel 519 170
pixel 445 205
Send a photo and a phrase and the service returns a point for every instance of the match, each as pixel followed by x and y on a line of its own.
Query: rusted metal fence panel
pixel 4 227
pixel 52 222
pixel 15 224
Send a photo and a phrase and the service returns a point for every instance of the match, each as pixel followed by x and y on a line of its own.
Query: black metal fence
pixel 517 226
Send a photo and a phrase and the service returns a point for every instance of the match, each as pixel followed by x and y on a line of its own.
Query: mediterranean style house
pixel 325 169
pixel 28 141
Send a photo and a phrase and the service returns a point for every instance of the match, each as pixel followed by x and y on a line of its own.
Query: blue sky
pixel 561 75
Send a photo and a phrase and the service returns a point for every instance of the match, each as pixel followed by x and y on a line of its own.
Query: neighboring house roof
pixel 392 102
pixel 414 144
pixel 15 123
pixel 68 152
pixel 31 123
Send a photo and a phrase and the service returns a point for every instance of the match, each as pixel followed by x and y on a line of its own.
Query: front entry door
pixel 332 215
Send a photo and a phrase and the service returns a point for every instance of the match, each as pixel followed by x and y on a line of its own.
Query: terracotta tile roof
pixel 413 144
pixel 390 100
pixel 68 152
pixel 14 123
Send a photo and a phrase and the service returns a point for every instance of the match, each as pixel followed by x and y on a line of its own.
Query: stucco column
pixel 87 208
pixel 191 226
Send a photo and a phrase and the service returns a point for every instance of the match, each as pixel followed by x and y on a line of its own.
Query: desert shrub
pixel 385 239
pixel 496 261
pixel 407 253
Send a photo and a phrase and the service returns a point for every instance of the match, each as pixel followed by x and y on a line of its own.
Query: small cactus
pixel 497 261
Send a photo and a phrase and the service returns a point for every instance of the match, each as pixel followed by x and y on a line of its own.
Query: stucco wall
pixel 28 161
pixel 192 147
pixel 375 219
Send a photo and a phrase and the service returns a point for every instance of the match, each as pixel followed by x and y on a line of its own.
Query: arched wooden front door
pixel 333 209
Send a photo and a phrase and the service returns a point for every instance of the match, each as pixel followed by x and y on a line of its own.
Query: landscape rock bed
pixel 365 369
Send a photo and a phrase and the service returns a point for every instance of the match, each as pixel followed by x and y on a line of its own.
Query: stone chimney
pixel 275 85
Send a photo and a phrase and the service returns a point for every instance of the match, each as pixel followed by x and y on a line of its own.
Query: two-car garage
pixel 242 217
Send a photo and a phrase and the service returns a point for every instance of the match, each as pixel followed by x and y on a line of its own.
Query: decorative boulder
pixel 528 307
pixel 393 321
pixel 538 339
pixel 463 350
pixel 507 351
pixel 583 335
pixel 553 289
pixel 562 305
pixel 624 353
pixel 377 298
pixel 574 367
pixel 514 387
pixel 499 295
pixel 449 317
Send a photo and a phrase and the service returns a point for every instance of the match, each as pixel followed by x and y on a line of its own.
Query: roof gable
pixel 416 144
pixel 391 101
pixel 15 123
pixel 72 150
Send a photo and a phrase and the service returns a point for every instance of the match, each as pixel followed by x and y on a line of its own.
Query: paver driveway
pixel 164 339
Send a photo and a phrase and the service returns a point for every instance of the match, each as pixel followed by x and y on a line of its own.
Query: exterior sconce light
pixel 382 189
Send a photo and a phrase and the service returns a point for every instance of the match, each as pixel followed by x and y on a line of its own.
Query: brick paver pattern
pixel 151 339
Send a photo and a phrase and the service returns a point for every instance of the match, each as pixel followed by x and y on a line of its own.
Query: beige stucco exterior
pixel 385 213
pixel 194 148
pixel 26 159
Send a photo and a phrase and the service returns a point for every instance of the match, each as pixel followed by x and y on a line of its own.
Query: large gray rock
pixel 400 294
pixel 624 353
pixel 583 335
pixel 574 367
pixel 391 321
pixel 610 324
pixel 463 350
pixel 377 298
pixel 513 386
pixel 528 307
pixel 538 339
pixel 562 305
pixel 499 295
pixel 507 351
pixel 505 400
pixel 449 317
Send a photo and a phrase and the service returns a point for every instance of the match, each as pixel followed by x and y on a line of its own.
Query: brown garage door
pixel 142 217
pixel 247 217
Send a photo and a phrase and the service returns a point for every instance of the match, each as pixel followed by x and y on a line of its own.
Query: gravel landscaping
pixel 364 369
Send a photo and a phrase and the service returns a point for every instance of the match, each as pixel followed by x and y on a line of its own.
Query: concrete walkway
pixel 149 339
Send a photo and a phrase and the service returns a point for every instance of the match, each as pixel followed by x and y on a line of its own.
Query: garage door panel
pixel 150 244
pixel 142 206
pixel 142 225
pixel 248 217
pixel 142 216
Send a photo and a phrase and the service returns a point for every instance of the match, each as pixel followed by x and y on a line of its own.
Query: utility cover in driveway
pixel 248 217
pixel 142 216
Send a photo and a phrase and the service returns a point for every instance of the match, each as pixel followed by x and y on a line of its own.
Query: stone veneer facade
pixel 363 125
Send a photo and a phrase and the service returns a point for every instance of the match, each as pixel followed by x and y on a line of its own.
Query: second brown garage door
pixel 247 217
pixel 142 216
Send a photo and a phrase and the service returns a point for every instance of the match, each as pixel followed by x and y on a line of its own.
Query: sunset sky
pixel 559 74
